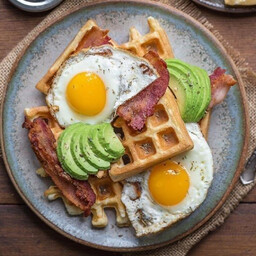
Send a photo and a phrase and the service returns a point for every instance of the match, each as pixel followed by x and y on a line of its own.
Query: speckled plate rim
pixel 228 9
pixel 242 159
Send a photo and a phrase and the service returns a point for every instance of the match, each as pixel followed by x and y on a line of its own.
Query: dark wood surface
pixel 23 233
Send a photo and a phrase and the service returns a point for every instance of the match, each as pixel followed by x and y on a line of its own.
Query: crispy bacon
pixel 94 37
pixel 136 110
pixel 43 142
pixel 220 85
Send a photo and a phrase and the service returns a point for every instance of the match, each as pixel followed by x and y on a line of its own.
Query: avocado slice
pixel 192 89
pixel 180 92
pixel 199 91
pixel 206 84
pixel 109 140
pixel 65 157
pixel 95 145
pixel 77 153
pixel 188 82
pixel 87 152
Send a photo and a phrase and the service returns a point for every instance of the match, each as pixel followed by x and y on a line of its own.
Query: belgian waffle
pixel 107 192
pixel 108 195
pixel 45 83
pixel 163 136
pixel 156 40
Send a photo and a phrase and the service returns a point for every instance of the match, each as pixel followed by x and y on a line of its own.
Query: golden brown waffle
pixel 108 195
pixel 43 111
pixel 45 83
pixel 156 40
pixel 163 136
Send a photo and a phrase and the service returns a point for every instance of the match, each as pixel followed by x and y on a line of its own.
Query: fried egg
pixel 91 85
pixel 169 191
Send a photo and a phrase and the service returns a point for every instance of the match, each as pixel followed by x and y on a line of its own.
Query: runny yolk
pixel 168 183
pixel 86 93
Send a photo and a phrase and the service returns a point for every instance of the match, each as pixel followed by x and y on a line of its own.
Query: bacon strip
pixel 43 142
pixel 94 37
pixel 136 110
pixel 220 85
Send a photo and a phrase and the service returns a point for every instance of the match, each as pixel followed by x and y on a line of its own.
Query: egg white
pixel 146 215
pixel 121 73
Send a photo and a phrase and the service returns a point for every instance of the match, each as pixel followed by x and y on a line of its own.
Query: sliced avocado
pixel 95 145
pixel 191 88
pixel 206 84
pixel 89 155
pixel 77 153
pixel 109 140
pixel 186 82
pixel 180 92
pixel 65 157
pixel 199 91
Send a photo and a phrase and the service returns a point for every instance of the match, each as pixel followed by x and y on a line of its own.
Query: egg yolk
pixel 86 93
pixel 168 183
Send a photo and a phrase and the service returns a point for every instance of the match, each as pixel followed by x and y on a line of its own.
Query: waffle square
pixel 163 136
pixel 108 195
pixel 156 40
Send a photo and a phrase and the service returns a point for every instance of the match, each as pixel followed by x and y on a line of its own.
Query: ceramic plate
pixel 219 5
pixel 192 43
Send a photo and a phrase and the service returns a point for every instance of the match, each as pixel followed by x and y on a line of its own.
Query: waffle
pixel 156 40
pixel 45 83
pixel 163 136
pixel 108 195
pixel 107 192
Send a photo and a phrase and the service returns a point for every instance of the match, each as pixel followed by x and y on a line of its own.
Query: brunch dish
pixel 131 135
pixel 229 6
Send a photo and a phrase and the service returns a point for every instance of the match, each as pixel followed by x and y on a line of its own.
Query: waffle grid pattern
pixel 163 136
pixel 108 195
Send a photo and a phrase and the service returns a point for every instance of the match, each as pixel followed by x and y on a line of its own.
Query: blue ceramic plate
pixel 192 43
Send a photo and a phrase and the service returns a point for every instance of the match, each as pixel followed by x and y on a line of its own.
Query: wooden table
pixel 22 233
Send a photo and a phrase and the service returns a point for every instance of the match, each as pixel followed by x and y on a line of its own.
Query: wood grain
pixel 14 25
pixel 236 237
pixel 238 30
pixel 8 194
pixel 22 233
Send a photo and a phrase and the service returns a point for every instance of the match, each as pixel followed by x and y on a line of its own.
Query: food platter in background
pixel 219 5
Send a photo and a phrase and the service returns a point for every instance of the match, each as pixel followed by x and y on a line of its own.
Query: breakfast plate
pixel 191 42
